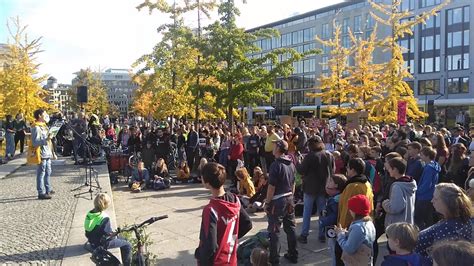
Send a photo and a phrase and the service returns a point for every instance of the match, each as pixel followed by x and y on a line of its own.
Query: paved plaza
pixel 34 231
pixel 51 232
pixel 176 238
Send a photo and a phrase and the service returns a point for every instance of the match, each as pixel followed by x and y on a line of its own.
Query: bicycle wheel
pixel 103 257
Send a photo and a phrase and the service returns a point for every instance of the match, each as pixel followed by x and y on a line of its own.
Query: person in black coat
pixel 315 169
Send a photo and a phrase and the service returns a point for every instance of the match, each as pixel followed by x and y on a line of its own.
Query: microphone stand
pixel 88 167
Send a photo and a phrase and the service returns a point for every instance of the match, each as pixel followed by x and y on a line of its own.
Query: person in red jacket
pixel 224 221
pixel 236 153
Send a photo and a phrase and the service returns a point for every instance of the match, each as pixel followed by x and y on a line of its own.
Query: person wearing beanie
pixel 357 242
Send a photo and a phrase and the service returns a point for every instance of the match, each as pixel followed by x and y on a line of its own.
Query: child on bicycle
pixel 224 221
pixel 97 224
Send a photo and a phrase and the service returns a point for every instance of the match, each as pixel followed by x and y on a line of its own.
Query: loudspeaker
pixel 431 111
pixel 82 94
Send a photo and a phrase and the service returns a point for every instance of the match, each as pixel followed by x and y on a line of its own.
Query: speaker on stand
pixel 81 95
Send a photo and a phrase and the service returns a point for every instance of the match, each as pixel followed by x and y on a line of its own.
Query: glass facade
pixel 407 5
pixel 458 85
pixel 430 45
pixel 426 3
pixel 457 31
pixel 428 87
pixel 408 44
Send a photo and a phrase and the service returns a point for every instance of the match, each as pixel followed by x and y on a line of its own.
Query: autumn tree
pixel 394 75
pixel 166 73
pixel 364 75
pixel 335 85
pixel 97 102
pixel 240 78
pixel 20 84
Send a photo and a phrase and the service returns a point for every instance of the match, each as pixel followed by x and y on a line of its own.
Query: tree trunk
pixel 230 109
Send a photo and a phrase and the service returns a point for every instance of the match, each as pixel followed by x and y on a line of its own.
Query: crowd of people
pixel 413 183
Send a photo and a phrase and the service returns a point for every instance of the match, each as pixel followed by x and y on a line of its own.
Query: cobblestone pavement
pixel 35 231
pixel 175 239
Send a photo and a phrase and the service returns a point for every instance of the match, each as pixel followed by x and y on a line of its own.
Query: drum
pixel 118 161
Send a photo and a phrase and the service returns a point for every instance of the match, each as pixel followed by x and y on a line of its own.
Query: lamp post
pixel 126 102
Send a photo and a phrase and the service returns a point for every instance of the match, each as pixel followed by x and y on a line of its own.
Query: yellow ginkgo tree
pixel 364 75
pixel 20 84
pixel 335 87
pixel 392 80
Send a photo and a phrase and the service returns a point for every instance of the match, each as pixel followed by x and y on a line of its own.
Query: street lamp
pixel 126 101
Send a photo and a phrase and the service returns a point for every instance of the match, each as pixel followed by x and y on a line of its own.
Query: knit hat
pixel 359 204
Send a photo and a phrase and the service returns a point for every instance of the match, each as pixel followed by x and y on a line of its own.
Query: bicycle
pixel 101 256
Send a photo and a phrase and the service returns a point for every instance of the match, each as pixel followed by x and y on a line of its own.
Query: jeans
pixel 308 201
pixel 78 148
pixel 125 249
pixel 332 250
pixel 281 211
pixel 43 174
pixel 20 137
pixel 10 148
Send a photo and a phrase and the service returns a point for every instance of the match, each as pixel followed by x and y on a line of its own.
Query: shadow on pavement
pixel 18 199
pixel 46 255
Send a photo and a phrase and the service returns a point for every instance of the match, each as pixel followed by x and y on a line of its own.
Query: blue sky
pixel 104 34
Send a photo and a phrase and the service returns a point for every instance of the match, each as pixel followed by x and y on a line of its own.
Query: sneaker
pixel 322 239
pixel 303 239
pixel 52 192
pixel 291 258
pixel 44 196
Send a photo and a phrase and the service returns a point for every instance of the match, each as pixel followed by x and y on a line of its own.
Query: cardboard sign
pixel 402 113
pixel 352 120
pixel 332 123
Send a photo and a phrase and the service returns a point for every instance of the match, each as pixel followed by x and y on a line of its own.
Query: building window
pixel 309 65
pixel 325 31
pixel 357 23
pixel 428 87
pixel 324 64
pixel 346 42
pixel 458 85
pixel 426 3
pixel 308 34
pixel 408 43
pixel 369 21
pixel 430 46
pixel 457 31
pixel 345 26
pixel 286 39
pixel 407 5
pixel 309 81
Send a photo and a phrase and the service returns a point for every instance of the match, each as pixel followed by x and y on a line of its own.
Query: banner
pixel 402 113
pixel 332 124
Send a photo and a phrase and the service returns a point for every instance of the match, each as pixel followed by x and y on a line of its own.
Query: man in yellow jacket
pixel 357 183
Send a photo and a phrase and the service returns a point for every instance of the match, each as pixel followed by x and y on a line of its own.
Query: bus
pixel 316 111
pixel 260 114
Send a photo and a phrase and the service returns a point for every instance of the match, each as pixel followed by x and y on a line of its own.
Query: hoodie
pixel 282 175
pixel 401 205
pixel 218 239
pixel 412 259
pixel 96 225
pixel 428 180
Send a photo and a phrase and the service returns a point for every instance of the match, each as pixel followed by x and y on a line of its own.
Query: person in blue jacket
pixel 402 239
pixel 426 186
pixel 334 186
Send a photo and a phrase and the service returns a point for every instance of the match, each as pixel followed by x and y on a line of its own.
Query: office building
pixel 59 95
pixel 120 88
pixel 3 55
pixel 438 54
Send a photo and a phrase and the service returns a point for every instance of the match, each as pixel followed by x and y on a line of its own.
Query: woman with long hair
pixel 442 153
pixel 456 209
pixel 458 165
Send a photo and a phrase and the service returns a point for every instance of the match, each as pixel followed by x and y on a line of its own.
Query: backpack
pixel 261 239
pixel 33 154
pixel 161 183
